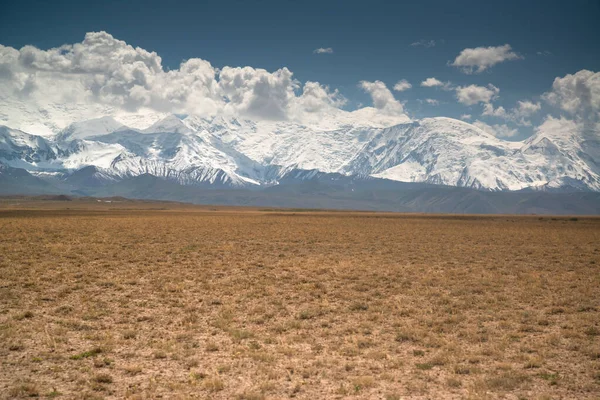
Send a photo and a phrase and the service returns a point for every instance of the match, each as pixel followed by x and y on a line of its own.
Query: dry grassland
pixel 230 304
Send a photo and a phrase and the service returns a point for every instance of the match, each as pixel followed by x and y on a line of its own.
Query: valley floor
pixel 142 300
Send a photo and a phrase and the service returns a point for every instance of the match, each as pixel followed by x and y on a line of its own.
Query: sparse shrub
pixel 214 384
pixel 212 346
pixel 424 366
pixel 160 355
pixel 250 396
pixel 305 314
pixel 507 381
pixel 359 307
pixel 25 315
pixel 453 382
pixel 363 382
pixel 90 353
pixel 405 336
pixel 103 378
pixel 129 334
pixel 26 389
pixel 132 370
pixel 462 370
pixel 592 331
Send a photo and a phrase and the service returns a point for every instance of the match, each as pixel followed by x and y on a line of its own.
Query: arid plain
pixel 146 300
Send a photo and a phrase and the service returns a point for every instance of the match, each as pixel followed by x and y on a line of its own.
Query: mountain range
pixel 409 166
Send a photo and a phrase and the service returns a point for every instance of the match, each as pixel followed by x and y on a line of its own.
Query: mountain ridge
pixel 235 152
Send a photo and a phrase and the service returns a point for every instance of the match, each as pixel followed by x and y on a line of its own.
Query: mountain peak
pixel 170 124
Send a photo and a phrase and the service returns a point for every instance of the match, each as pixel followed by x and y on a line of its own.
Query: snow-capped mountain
pixel 242 153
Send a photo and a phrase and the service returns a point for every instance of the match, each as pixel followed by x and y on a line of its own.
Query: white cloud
pixel 103 75
pixel 577 94
pixel 527 108
pixel 519 114
pixel 402 85
pixel 490 111
pixel 316 97
pixel 481 58
pixel 473 94
pixel 323 50
pixel 424 43
pixel 45 90
pixel 104 70
pixel 383 99
pixel 434 82
pixel 501 131
pixel 432 102
pixel 431 82
pixel 466 117
pixel 258 93
pixel 558 127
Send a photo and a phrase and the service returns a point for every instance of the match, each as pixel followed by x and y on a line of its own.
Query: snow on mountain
pixel 294 146
pixel 439 151
pixel 82 153
pixel 169 124
pixel 240 152
pixel 140 120
pixel 48 119
pixel 22 150
pixel 563 152
pixel 89 128
pixel 169 148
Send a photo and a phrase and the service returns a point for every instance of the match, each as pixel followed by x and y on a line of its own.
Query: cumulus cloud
pixel 316 97
pixel 481 58
pixel 519 114
pixel 105 75
pixel 527 108
pixel 382 97
pixel 256 92
pixel 434 82
pixel 432 102
pixel 558 127
pixel 577 94
pixel 498 112
pixel 501 131
pixel 466 117
pixel 473 94
pixel 102 69
pixel 323 50
pixel 402 85
pixel 424 43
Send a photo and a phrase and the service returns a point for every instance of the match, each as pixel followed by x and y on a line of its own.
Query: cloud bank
pixel 104 75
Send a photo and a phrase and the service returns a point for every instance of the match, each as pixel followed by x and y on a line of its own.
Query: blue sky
pixel 370 41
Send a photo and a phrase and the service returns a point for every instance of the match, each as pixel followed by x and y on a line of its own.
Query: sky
pixel 494 63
